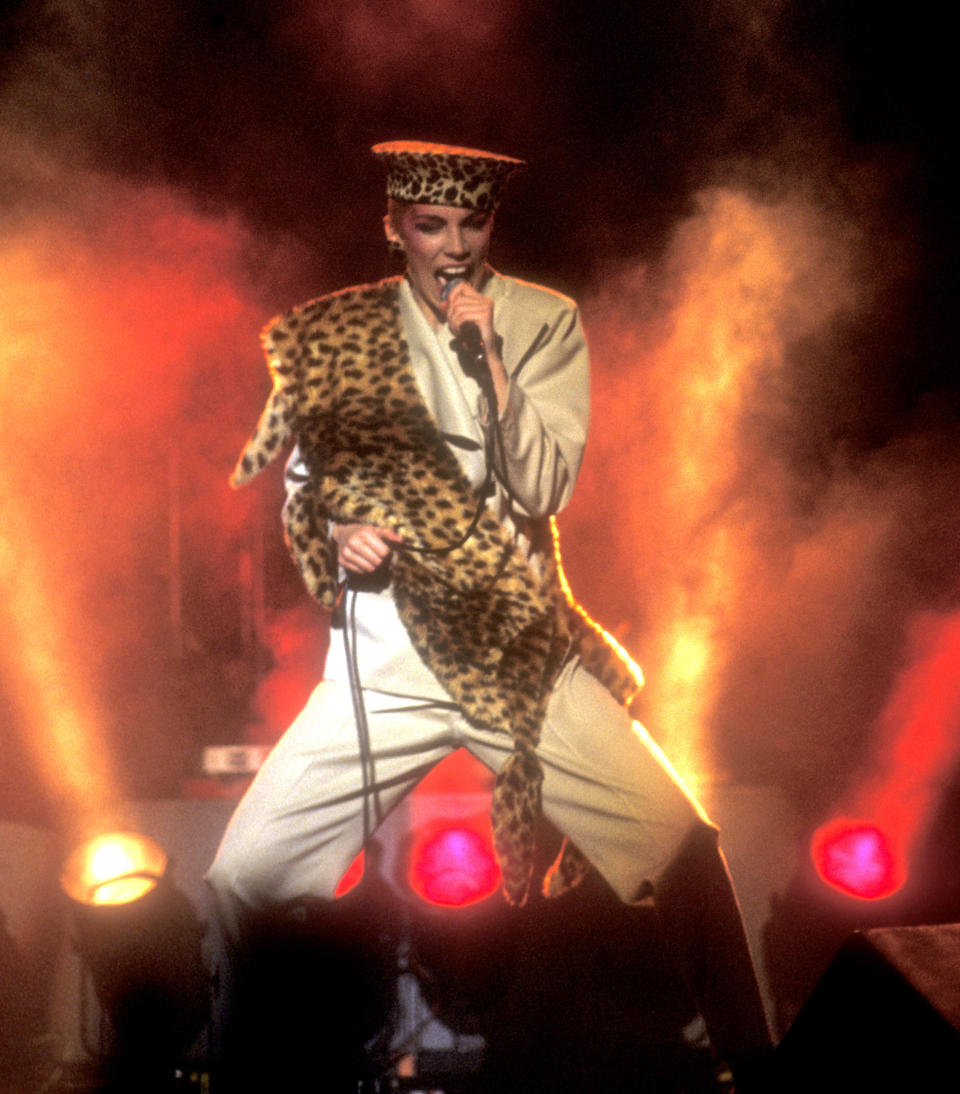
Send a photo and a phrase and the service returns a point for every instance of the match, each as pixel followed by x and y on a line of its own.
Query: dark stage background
pixel 754 204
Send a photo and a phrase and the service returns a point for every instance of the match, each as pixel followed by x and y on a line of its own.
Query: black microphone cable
pixel 367 767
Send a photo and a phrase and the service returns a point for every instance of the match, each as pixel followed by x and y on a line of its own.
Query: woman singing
pixel 439 420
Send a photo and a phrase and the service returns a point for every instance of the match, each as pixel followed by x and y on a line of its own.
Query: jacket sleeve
pixel 544 420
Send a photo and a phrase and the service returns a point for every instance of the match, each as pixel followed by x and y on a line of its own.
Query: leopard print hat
pixel 443 174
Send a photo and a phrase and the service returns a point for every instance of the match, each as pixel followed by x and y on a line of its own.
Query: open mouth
pixel 447 275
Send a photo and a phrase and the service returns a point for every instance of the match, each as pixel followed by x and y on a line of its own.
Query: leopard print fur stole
pixel 493 631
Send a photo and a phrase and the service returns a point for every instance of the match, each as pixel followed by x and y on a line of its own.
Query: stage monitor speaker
pixel 884 1017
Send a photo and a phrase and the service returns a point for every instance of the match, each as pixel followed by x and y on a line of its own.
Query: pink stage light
pixel 454 867
pixel 857 858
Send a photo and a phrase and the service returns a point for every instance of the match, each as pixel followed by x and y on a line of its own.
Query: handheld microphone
pixel 469 333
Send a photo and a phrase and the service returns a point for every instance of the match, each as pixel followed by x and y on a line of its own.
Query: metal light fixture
pixel 115 868
pixel 140 942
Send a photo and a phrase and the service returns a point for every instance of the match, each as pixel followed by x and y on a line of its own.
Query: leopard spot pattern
pixel 494 631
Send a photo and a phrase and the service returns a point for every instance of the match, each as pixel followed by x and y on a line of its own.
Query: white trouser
pixel 606 786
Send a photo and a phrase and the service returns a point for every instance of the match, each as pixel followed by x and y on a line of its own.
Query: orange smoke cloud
pixel 686 354
pixel 764 570
pixel 72 760
pixel 124 316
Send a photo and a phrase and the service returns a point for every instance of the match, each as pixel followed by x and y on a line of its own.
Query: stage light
pixel 116 868
pixel 454 867
pixel 858 859
pixel 140 942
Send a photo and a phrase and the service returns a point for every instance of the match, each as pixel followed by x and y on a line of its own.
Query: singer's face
pixel 442 242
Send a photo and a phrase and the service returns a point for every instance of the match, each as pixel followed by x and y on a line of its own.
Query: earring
pixel 396 249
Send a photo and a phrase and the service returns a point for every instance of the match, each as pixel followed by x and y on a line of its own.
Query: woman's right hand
pixel 363 548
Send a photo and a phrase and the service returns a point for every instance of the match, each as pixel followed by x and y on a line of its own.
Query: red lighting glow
pixel 857 858
pixel 351 879
pixel 454 867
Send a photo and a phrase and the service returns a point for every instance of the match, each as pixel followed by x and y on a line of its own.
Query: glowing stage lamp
pixel 140 941
pixel 117 868
pixel 453 867
pixel 858 859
